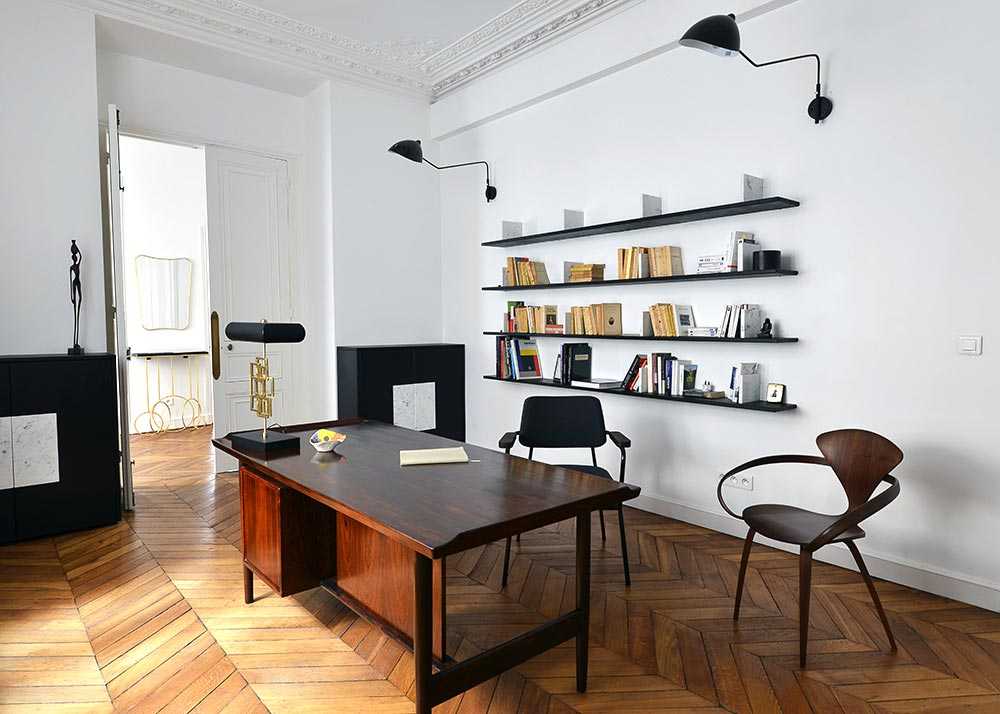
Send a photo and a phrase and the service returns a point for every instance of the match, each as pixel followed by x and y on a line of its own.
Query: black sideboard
pixel 368 375
pixel 59 455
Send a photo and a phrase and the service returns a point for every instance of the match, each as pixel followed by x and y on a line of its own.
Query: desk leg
pixel 582 597
pixel 247 585
pixel 423 631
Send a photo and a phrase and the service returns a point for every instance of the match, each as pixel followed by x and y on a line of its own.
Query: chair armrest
pixel 619 439
pixel 854 516
pixel 508 440
pixel 764 461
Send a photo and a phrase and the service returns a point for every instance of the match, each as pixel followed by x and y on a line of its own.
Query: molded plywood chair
pixel 567 423
pixel 861 460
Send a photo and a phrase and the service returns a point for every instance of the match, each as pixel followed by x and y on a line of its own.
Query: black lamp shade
pixel 266 332
pixel 408 149
pixel 717 34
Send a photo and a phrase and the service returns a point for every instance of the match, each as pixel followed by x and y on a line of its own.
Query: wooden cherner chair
pixel 861 460
pixel 566 423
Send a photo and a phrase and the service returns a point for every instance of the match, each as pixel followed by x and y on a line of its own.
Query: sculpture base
pixel 75 350
pixel 275 443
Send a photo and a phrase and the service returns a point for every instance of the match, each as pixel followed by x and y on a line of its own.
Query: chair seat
pixel 592 470
pixel 794 525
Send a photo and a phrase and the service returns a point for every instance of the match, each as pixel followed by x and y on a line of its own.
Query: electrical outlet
pixel 742 481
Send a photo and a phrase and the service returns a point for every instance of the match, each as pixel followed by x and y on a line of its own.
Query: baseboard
pixel 956 586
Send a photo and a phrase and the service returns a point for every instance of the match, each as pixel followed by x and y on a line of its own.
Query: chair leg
pixel 747 545
pixel 873 592
pixel 621 528
pixel 805 581
pixel 506 564
pixel 604 533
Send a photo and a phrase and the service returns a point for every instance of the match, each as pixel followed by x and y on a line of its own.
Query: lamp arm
pixel 787 59
pixel 468 163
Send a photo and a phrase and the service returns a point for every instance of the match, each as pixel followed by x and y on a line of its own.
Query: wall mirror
pixel 164 292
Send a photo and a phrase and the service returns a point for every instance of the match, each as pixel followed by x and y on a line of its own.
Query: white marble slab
pixel 414 406
pixel 6 455
pixel 35 449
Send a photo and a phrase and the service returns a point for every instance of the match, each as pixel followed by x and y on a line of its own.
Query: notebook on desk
pixel 417 457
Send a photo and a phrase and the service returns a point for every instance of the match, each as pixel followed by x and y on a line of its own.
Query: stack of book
pixel 517 358
pixel 671 320
pixel 741 320
pixel 744 382
pixel 600 319
pixel 583 272
pixel 737 255
pixel 532 319
pixel 659 262
pixel 524 271
pixel 660 373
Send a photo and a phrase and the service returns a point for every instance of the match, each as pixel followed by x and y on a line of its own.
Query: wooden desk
pixel 376 536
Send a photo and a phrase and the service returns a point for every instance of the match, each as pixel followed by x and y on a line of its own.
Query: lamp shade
pixel 717 34
pixel 408 149
pixel 266 332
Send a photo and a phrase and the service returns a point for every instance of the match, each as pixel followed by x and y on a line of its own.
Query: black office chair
pixel 568 423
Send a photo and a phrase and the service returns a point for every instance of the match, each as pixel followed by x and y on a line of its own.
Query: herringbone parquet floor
pixel 148 615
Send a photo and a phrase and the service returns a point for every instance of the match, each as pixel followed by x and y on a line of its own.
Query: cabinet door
pixel 6 460
pixel 260 509
pixel 378 370
pixel 85 492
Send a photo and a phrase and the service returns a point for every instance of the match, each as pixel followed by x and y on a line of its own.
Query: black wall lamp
pixel 720 35
pixel 412 150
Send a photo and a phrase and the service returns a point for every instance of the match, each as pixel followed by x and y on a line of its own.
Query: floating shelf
pixel 742 208
pixel 641 281
pixel 685 338
pixel 751 406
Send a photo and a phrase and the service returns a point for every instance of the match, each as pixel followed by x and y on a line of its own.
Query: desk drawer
pixel 289 540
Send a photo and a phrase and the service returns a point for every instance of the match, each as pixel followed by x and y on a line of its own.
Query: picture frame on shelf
pixel 775 393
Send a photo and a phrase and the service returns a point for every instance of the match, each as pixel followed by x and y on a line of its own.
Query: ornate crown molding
pixel 414 67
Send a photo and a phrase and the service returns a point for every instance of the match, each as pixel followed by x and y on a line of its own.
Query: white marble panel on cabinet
pixel 6 455
pixel 35 449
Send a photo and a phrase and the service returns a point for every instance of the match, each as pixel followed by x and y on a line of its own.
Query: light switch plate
pixel 970 344
pixel 742 481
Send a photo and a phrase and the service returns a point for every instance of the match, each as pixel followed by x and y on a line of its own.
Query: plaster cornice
pixel 412 67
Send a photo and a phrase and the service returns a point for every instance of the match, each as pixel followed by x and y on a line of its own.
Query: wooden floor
pixel 148 615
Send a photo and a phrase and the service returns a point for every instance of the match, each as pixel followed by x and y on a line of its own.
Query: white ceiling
pixel 418 26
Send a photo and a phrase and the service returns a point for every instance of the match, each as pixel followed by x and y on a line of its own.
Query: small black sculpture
pixel 765 330
pixel 75 296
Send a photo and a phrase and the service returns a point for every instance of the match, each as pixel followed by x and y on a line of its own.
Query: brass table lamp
pixel 262 383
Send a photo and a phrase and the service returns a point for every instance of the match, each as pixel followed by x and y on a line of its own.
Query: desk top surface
pixel 437 509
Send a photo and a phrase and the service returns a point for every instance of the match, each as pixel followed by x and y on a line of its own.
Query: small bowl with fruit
pixel 326 440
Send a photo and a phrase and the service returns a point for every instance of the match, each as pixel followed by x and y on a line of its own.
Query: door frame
pixel 295 196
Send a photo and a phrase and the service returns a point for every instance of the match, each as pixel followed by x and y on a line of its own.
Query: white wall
pixel 49 183
pixel 386 221
pixel 894 241
pixel 164 215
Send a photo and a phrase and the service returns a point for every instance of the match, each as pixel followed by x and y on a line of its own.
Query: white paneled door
pixel 248 238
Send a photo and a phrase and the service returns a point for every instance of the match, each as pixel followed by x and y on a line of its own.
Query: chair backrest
pixel 860 459
pixel 562 422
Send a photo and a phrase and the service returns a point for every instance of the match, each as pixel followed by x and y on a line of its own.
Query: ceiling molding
pixel 414 67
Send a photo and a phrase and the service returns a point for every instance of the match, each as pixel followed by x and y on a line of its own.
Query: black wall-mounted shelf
pixel 685 338
pixel 750 406
pixel 726 210
pixel 740 275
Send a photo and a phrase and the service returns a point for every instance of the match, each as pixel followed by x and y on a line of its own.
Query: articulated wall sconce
pixel 720 35
pixel 412 150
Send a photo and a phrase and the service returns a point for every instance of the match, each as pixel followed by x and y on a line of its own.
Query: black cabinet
pixel 7 531
pixel 366 376
pixel 71 402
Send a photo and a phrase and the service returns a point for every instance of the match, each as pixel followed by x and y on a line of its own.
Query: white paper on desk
pixel 416 457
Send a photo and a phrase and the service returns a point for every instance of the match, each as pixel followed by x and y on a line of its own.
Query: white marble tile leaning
pixel 35 449
pixel 413 406
pixel 6 455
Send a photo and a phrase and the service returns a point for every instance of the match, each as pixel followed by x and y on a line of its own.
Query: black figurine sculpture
pixel 75 295
pixel 765 330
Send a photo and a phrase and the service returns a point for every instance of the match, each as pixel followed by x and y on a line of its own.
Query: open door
pixel 249 280
pixel 115 189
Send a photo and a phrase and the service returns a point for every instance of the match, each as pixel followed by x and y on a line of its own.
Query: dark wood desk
pixel 376 535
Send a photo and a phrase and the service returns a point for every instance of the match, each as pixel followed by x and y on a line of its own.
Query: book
pixel 526 359
pixel 703 332
pixel 448 455
pixel 683 319
pixel 611 318
pixel 576 362
pixel 598 384
pixel 744 382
